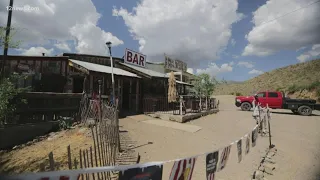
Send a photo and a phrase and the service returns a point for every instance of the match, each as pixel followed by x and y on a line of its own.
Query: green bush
pixel 313 86
pixel 238 94
pixel 318 92
pixel 293 88
pixel 232 93
pixel 9 98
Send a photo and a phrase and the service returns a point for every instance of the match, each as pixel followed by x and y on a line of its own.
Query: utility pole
pixel 6 43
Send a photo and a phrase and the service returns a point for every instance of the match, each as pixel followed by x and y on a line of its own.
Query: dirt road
pixel 297 139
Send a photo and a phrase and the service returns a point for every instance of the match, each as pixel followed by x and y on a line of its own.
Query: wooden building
pixel 95 68
pixel 67 74
pixel 40 72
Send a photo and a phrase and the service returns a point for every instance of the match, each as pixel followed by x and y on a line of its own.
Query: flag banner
pixel 151 172
pixel 224 157
pixel 183 169
pixel 254 137
pixel 211 164
pixel 210 176
pixel 247 143
pixel 239 148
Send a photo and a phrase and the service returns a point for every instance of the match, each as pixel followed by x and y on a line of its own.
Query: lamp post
pixel 112 76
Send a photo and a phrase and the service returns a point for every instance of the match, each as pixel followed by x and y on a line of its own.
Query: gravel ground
pixel 297 139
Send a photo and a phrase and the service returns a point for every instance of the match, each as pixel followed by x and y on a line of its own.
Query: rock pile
pixel 267 165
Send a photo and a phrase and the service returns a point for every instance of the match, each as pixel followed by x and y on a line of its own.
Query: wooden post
pixel 137 96
pixel 103 84
pixel 51 161
pixel 121 102
pixel 100 101
pixel 119 93
pixel 66 63
pixel 206 102
pixel 69 158
pixel 61 64
pixel 91 84
pixel 181 99
pixel 130 94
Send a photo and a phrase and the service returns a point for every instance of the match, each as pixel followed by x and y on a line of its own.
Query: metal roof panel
pixel 103 69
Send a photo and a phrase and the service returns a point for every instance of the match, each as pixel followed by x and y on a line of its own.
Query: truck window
pixel 273 95
pixel 261 94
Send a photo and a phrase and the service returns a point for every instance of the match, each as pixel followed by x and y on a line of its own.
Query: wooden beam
pixel 137 95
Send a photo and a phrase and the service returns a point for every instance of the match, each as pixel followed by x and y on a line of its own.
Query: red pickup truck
pixel 277 100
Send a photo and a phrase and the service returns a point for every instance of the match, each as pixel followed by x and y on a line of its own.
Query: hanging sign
pixel 175 65
pixel 134 58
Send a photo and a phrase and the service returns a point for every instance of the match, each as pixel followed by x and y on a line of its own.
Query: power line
pixel 290 12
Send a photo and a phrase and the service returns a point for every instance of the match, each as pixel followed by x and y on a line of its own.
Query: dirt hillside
pixel 301 80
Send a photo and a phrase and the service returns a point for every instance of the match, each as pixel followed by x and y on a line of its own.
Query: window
pixel 262 94
pixel 273 95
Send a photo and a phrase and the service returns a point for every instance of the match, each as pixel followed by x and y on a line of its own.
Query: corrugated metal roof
pixel 146 71
pixel 103 69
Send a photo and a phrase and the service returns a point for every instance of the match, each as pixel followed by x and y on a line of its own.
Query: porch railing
pixel 182 106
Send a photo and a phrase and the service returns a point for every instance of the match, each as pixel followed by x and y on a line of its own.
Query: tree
pixel 9 97
pixel 204 84
pixel 9 93
pixel 11 43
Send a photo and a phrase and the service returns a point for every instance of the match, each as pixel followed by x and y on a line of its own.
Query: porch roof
pixel 103 69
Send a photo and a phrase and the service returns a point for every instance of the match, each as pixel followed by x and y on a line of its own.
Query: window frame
pixel 273 96
pixel 264 96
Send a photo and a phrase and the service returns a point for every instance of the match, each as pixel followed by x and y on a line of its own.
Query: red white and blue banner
pixel 183 169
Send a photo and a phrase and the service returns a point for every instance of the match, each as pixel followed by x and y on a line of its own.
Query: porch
pixel 184 109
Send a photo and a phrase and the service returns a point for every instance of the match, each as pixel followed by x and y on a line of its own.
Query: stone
pixel 270 161
pixel 268 168
pixel 258 175
pixel 29 143
pixel 261 168
pixel 273 150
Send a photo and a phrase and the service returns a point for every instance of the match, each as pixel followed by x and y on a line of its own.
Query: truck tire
pixel 295 111
pixel 305 110
pixel 245 106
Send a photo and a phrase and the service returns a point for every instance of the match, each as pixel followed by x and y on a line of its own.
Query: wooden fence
pixel 104 127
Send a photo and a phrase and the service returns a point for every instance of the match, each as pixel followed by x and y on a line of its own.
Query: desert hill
pixel 300 80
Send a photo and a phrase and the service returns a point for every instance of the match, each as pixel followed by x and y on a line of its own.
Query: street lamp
pixel 112 76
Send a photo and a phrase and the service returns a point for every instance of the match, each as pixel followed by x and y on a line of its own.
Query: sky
pixel 229 39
